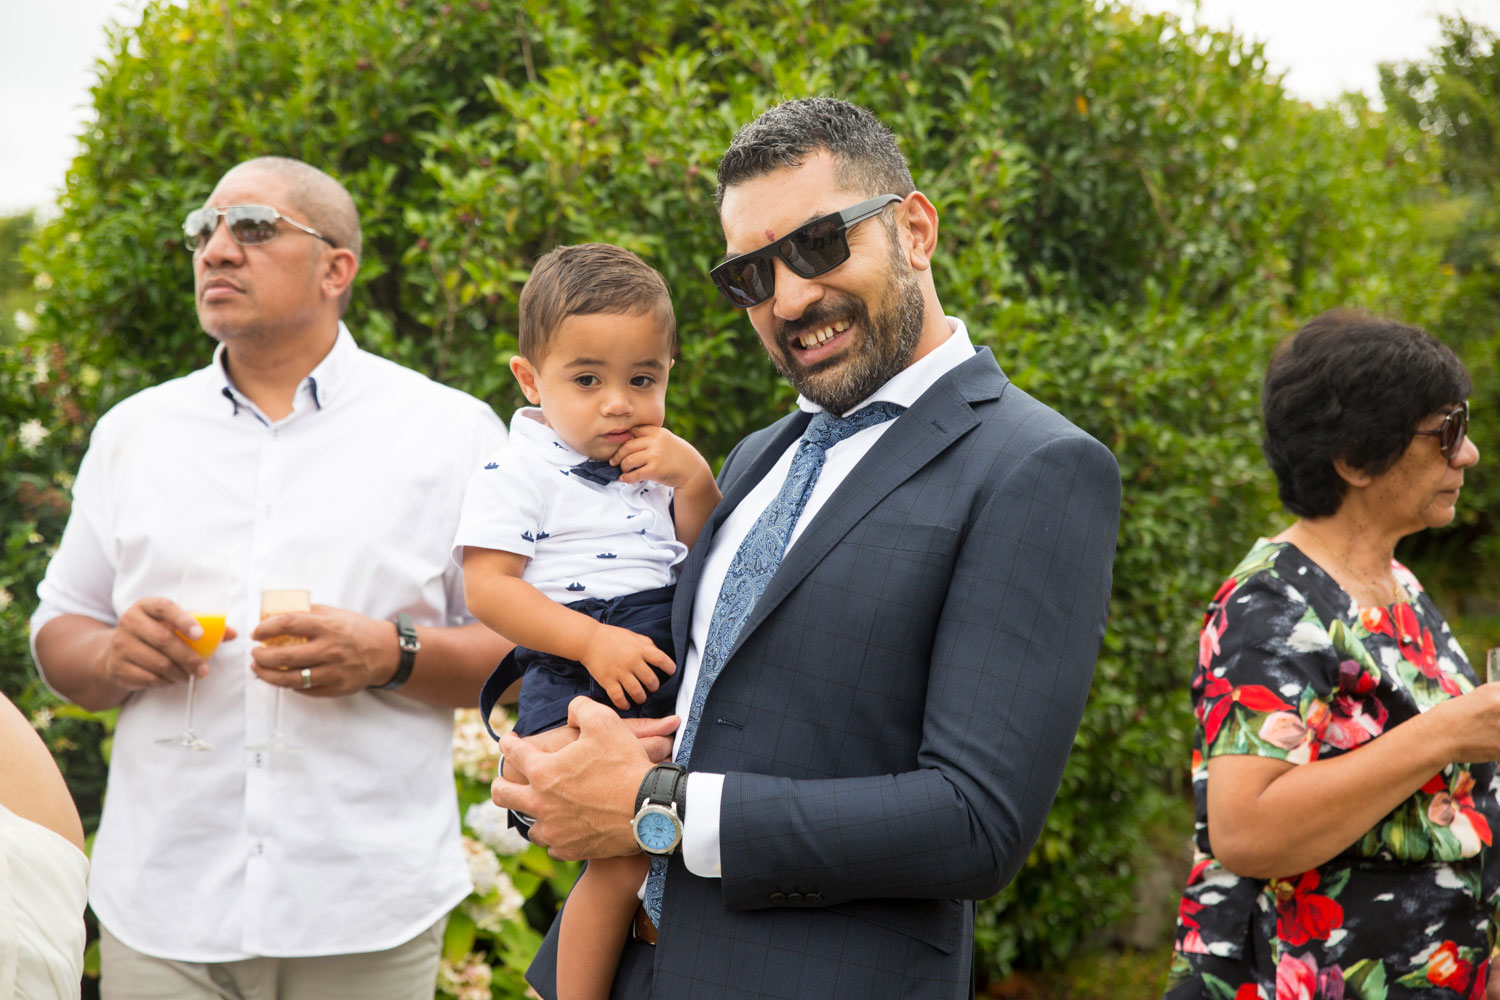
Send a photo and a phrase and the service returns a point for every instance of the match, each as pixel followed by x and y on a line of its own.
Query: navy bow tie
pixel 596 470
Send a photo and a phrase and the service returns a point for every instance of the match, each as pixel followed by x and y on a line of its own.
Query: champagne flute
pixel 278 598
pixel 1491 665
pixel 204 587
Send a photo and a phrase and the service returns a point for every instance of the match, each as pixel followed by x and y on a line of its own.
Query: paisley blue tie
pixel 751 569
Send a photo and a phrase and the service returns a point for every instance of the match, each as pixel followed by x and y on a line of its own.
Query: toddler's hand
pixel 657 454
pixel 621 661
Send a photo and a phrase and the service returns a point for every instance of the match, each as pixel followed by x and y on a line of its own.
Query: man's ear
pixel 919 228
pixel 527 376
pixel 1351 475
pixel 339 272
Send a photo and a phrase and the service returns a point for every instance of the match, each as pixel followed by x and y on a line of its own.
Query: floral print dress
pixel 1290 667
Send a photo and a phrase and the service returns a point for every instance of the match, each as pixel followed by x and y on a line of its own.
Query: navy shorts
pixel 549 683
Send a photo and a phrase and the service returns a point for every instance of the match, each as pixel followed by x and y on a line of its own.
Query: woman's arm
pixel 1269 817
pixel 30 784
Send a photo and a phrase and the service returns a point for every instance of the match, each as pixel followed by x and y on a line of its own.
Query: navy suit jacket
pixel 895 716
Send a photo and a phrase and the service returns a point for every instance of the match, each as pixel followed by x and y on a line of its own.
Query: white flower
pixel 39 371
pixel 475 754
pixel 467 979
pixel 484 867
pixel 42 719
pixel 25 322
pixel 42 282
pixel 31 434
pixel 488 821
pixel 5 598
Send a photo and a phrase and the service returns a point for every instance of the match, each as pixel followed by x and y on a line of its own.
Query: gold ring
pixel 306 678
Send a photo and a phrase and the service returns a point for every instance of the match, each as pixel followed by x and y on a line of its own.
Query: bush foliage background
pixel 1132 213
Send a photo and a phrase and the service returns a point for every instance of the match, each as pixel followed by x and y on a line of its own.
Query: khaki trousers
pixel 406 972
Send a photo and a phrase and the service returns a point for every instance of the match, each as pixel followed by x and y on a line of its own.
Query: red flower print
pixel 1255 697
pixel 1354 721
pixel 1299 978
pixel 1447 969
pixel 1481 981
pixel 1301 914
pixel 1354 679
pixel 1247 991
pixel 1296 978
pixel 1376 621
pixel 1436 783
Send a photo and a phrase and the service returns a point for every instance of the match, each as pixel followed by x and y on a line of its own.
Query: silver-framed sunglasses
pixel 248 225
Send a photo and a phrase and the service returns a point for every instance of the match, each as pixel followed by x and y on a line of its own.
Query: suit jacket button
pixel 794 897
pixel 778 897
pixel 814 897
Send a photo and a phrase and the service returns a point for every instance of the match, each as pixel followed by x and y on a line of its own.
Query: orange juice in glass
pixel 213 633
pixel 204 584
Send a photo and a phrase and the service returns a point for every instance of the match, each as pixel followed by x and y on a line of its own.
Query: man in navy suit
pixel 886 630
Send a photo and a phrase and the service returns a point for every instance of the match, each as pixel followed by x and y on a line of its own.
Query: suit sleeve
pixel 1011 663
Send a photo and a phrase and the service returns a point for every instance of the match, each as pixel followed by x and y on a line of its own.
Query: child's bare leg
pixel 595 922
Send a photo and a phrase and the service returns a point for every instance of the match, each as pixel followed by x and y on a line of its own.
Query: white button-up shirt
pixel 700 840
pixel 581 539
pixel 351 845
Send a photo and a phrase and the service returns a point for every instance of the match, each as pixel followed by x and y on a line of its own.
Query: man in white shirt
pixel 242 872
pixel 888 626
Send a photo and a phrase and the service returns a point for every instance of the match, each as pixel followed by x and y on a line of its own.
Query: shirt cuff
pixel 700 828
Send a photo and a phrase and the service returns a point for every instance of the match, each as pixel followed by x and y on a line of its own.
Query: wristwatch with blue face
pixel 659 808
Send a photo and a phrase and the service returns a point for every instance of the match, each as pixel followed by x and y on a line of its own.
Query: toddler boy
pixel 570 536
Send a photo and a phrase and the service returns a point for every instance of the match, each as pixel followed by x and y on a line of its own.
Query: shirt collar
pixel 321 386
pixel 528 429
pixel 907 385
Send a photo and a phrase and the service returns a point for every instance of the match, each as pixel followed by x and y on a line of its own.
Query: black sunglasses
pixel 248 225
pixel 820 246
pixel 1452 431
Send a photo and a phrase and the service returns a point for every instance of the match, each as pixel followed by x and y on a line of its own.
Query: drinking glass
pixel 203 591
pixel 1492 665
pixel 282 595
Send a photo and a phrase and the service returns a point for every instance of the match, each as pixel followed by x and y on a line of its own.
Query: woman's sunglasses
pixel 820 246
pixel 1452 431
pixel 248 225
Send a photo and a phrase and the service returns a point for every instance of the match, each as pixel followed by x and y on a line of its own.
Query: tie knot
pixel 827 430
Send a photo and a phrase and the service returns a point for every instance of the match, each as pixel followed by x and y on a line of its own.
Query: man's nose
pixel 220 247
pixel 792 293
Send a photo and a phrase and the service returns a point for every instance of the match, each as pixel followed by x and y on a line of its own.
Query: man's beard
pixel 886 343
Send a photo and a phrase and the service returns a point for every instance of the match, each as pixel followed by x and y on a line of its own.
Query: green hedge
pixel 1131 214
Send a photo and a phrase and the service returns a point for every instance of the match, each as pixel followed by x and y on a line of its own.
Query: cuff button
pixel 778 897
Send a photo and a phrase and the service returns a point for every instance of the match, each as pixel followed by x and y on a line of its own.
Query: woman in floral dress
pixel 1343 764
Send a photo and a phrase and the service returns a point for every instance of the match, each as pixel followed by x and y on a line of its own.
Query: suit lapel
pixel 940 416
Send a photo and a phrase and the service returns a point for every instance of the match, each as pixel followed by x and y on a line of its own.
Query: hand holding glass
pixel 204 592
pixel 281 601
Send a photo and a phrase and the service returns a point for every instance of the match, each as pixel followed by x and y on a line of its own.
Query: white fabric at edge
pixel 43 891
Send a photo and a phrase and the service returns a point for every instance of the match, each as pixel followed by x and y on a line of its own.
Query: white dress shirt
pixel 351 845
pixel 581 539
pixel 700 836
